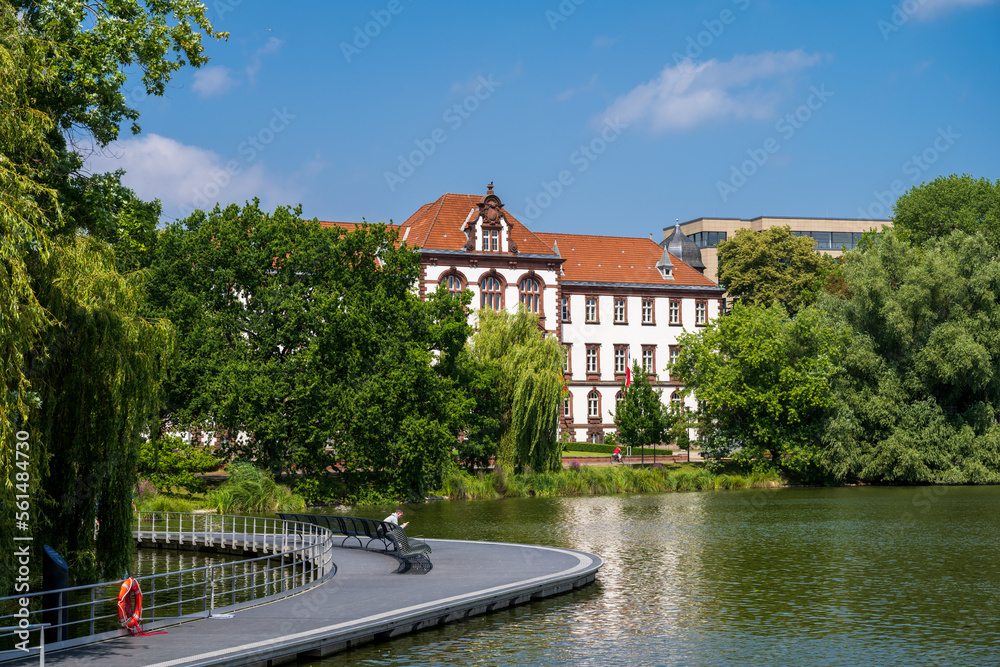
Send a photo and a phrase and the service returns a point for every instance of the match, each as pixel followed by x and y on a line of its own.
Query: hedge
pixel 609 449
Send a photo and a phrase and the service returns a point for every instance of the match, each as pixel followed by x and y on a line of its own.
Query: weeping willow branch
pixel 531 384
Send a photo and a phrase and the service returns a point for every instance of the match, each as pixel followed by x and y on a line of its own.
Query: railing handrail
pixel 309 552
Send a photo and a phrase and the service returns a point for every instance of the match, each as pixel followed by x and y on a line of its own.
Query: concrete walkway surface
pixel 365 601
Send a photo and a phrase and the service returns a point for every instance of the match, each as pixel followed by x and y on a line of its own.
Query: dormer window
pixel 491 240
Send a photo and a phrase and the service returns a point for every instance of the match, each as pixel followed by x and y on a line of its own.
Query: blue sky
pixel 589 116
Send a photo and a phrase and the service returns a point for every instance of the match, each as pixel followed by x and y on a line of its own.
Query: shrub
pixel 250 489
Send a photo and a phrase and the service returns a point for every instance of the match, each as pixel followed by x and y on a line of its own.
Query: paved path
pixel 366 600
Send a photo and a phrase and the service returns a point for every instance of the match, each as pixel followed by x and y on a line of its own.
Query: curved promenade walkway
pixel 366 601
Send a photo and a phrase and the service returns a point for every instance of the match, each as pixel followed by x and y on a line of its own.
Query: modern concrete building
pixel 832 235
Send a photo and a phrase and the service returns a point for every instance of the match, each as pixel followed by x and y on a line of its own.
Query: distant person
pixel 617 455
pixel 394 519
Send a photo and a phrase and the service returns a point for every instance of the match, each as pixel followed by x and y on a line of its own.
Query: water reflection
pixel 792 576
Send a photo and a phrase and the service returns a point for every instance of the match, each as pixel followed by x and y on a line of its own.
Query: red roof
pixel 438 226
pixel 618 259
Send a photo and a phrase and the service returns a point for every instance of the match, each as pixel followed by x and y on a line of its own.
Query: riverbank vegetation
pixel 599 480
pixel 889 373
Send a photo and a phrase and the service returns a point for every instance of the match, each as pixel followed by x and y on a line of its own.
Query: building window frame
pixel 649 361
pixel 568 359
pixel 621 360
pixel 454 282
pixel 620 309
pixel 649 311
pixel 594 406
pixel 592 309
pixel 529 293
pixel 593 366
pixel 491 291
pixel 564 310
pixel 674 313
pixel 672 352
pixel 701 312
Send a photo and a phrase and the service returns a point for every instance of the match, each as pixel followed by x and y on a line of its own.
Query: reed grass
pixel 597 480
pixel 250 489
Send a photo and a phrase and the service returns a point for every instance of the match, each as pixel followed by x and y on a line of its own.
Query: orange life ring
pixel 130 605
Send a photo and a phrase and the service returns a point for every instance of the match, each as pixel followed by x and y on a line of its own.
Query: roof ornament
pixel 683 248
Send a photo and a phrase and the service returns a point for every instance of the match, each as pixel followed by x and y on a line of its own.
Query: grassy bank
pixel 598 480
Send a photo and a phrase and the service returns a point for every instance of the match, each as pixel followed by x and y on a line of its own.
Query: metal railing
pixel 294 556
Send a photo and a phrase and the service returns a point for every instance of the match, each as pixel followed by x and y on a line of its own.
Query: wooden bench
pixel 410 554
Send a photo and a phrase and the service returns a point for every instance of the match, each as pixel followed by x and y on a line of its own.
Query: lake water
pixel 847 576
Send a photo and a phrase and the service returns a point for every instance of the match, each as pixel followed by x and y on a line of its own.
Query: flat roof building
pixel 831 234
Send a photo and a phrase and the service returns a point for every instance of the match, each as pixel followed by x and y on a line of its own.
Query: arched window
pixel 530 294
pixel 568 406
pixel 619 397
pixel 594 404
pixel 492 293
pixel 454 283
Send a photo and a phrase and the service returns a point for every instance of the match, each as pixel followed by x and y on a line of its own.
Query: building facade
pixel 832 235
pixel 610 300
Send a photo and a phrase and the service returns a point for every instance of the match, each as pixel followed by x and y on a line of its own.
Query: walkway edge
pixel 330 639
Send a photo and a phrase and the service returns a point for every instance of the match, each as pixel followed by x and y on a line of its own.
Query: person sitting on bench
pixel 394 519
pixel 617 455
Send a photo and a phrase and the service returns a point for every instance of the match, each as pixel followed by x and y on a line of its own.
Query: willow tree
pixel 98 383
pixel 531 384
pixel 26 208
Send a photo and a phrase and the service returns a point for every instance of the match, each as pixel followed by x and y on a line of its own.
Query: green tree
pixel 772 266
pixel 62 68
pixel 98 377
pixel 920 393
pixel 531 385
pixel 762 380
pixel 311 343
pixel 173 461
pixel 932 210
pixel 640 417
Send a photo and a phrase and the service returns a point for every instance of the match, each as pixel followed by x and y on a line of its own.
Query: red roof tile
pixel 618 259
pixel 438 226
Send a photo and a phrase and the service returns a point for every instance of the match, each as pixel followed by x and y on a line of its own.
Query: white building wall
pixel 578 334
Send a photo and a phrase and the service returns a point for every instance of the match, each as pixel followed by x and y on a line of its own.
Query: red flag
pixel 628 370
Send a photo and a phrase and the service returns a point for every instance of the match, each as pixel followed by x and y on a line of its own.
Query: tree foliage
pixel 933 210
pixel 310 342
pixel 641 418
pixel 172 461
pixel 920 395
pixel 81 367
pixel 763 381
pixel 531 386
pixel 98 380
pixel 772 266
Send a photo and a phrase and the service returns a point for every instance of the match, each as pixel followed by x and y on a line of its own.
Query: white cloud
pixel 272 46
pixel 690 93
pixel 928 10
pixel 188 177
pixel 211 81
